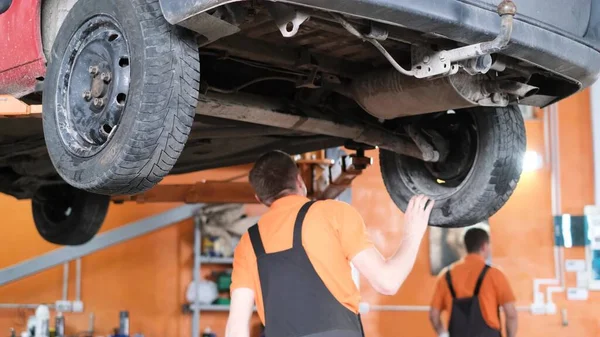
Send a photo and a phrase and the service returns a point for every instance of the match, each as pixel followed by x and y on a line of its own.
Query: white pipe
pixel 556 186
pixel 555 159
pixel 91 324
pixel 556 263
pixel 366 307
pixel 78 279
pixel 561 259
pixel 195 277
pixel 65 289
pixel 22 306
pixel 547 149
pixel 595 110
pixel 552 149
pixel 413 308
pixel 550 291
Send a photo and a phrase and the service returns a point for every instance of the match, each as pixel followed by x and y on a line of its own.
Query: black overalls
pixel 466 319
pixel 296 301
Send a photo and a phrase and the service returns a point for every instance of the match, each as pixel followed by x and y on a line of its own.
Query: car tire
pixel 4 5
pixel 120 96
pixel 490 148
pixel 64 215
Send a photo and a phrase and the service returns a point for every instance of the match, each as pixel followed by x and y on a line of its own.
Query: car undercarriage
pixel 127 103
pixel 303 75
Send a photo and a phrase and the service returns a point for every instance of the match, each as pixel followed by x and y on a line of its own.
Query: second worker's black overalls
pixel 466 319
pixel 296 301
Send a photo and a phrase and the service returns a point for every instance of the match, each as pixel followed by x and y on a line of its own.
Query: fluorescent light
pixel 532 161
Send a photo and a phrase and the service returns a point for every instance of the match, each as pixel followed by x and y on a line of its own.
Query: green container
pixel 222 301
pixel 224 282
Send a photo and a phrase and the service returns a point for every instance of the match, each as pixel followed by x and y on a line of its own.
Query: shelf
pixel 213 307
pixel 187 308
pixel 216 260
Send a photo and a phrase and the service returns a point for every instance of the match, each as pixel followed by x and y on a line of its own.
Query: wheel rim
pixel 57 204
pixel 93 86
pixel 444 178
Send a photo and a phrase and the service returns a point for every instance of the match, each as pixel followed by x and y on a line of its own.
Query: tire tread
pixel 508 131
pixel 162 126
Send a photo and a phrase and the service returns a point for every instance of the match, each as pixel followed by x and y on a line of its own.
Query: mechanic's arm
pixel 435 317
pixel 512 319
pixel 242 291
pixel 438 305
pixel 506 298
pixel 240 312
pixel 386 276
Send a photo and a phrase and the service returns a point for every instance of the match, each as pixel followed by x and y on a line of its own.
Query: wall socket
pixel 64 306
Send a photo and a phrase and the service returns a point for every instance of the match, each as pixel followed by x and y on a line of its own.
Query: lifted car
pixel 133 90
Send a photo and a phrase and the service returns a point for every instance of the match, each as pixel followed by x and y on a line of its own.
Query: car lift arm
pixel 12 107
pixel 324 178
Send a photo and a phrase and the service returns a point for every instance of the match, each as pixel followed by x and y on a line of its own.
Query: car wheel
pixel 4 5
pixel 478 174
pixel 120 96
pixel 65 215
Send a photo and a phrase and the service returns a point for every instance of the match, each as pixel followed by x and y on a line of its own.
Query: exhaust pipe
pixel 513 88
pixel 389 94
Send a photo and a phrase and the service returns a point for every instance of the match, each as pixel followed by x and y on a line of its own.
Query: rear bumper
pixel 574 58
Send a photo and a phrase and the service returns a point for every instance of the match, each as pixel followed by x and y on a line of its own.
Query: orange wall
pixel 148 275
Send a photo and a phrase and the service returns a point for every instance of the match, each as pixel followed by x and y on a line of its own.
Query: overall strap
pixel 480 280
pixel 297 242
pixel 257 245
pixel 449 281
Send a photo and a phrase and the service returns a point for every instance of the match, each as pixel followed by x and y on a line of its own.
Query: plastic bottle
pixel 208 333
pixel 42 320
pixel 59 325
pixel 124 323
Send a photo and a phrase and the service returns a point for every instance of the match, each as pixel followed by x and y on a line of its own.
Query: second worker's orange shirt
pixel 332 234
pixel 495 290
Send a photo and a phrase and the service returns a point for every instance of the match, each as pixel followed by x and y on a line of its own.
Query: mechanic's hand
pixel 416 217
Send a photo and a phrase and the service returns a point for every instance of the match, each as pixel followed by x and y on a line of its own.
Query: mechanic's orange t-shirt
pixel 495 290
pixel 332 234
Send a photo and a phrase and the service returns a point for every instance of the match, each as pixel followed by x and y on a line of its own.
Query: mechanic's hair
pixel 475 238
pixel 273 176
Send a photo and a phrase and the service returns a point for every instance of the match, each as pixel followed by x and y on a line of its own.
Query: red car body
pixel 22 61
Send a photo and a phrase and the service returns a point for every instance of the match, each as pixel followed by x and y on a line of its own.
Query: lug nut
pixel 106 77
pixel 87 95
pixel 93 70
pixel 98 102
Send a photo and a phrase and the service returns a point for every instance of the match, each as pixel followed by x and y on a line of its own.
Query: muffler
pixel 389 94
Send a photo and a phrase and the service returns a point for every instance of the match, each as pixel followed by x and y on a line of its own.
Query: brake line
pixel 247 84
pixel 350 28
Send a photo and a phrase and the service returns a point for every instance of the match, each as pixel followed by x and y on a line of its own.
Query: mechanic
pixel 473 293
pixel 295 263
